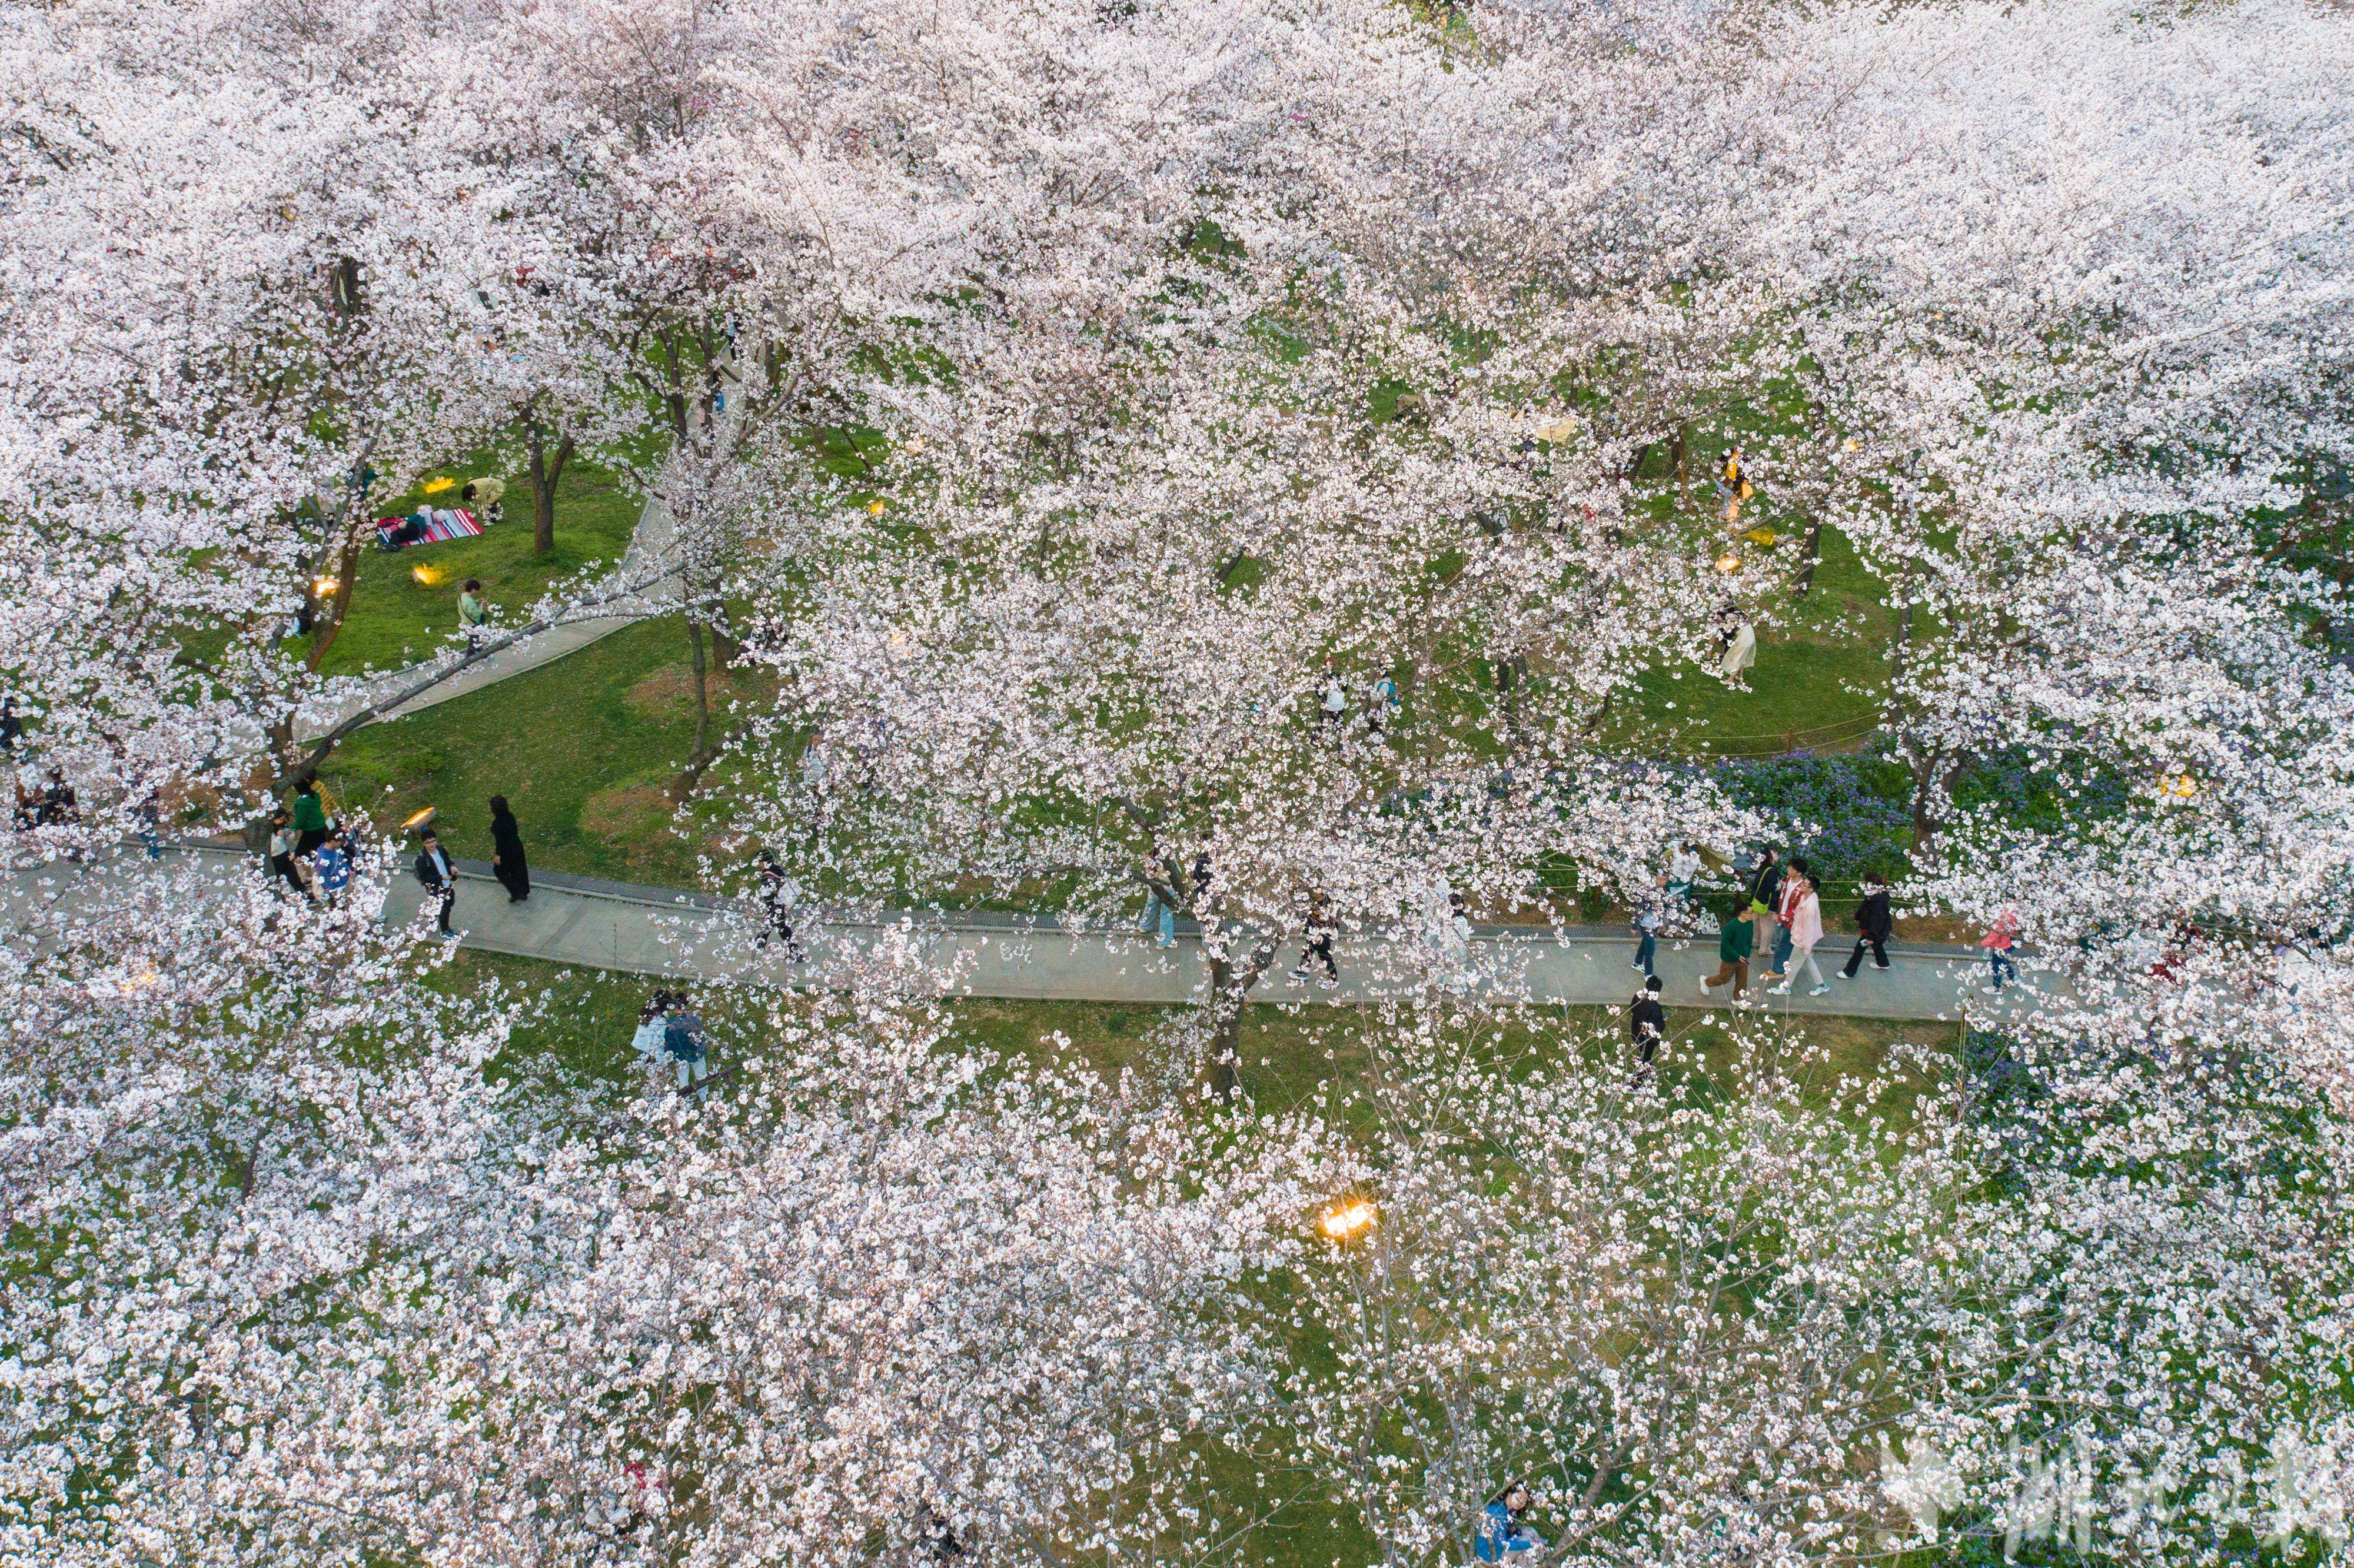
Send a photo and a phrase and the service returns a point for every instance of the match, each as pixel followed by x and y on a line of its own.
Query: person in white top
pixel 1805 931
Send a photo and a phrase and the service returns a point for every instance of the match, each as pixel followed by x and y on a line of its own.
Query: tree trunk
pixel 547 472
pixel 1683 478
pixel 327 618
pixel 1814 549
pixel 702 693
pixel 1230 985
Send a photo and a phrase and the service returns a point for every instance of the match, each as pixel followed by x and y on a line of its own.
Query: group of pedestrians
pixel 670 1034
pixel 309 852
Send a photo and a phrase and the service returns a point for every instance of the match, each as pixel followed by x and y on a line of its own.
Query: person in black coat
pixel 506 852
pixel 1873 920
pixel 1648 1021
pixel 440 877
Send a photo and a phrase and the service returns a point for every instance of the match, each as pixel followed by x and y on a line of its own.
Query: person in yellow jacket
pixel 1733 486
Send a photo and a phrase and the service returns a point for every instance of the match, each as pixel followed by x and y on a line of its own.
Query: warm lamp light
pixel 1346 1221
pixel 2178 786
pixel 420 819
pixel 1728 562
pixel 876 506
pixel 1851 445
pixel 425 576
pixel 324 587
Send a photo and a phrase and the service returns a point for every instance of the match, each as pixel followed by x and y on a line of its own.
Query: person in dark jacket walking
pixel 440 877
pixel 1320 931
pixel 506 852
pixel 1765 898
pixel 1874 924
pixel 1648 1023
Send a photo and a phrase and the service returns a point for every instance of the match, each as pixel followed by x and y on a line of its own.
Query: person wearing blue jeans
pixel 1650 914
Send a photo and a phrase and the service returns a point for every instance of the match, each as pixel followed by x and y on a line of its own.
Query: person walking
pixel 60 807
pixel 440 877
pixel 1502 1537
pixel 334 868
pixel 471 613
pixel 308 814
pixel 508 863
pixel 1649 913
pixel 1765 901
pixel 1873 927
pixel 780 897
pixel 1736 939
pixel 1805 929
pixel 1647 1022
pixel 1998 943
pixel 282 851
pixel 1320 931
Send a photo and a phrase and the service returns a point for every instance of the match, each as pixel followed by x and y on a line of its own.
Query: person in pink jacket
pixel 1806 918
pixel 1998 943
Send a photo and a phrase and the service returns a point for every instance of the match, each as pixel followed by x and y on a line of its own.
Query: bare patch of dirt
pixel 624 814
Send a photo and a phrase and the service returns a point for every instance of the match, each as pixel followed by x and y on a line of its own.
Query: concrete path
pixel 660 931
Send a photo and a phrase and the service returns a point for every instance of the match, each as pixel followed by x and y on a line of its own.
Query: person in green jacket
pixel 471 613
pixel 310 817
pixel 1734 942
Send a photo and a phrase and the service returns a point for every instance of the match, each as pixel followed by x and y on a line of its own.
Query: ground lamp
pixel 324 587
pixel 421 820
pixel 1728 562
pixel 1348 1220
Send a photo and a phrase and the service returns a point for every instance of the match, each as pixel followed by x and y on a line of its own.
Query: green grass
pixel 582 748
pixel 1818 677
pixel 405 605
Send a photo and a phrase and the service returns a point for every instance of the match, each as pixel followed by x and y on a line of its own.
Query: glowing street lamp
pixel 1728 563
pixel 425 576
pixel 324 587
pixel 418 820
pixel 1345 1222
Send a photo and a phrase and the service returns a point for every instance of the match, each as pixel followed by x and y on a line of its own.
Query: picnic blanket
pixel 449 523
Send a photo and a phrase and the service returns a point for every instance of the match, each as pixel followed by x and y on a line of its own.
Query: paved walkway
pixel 661 931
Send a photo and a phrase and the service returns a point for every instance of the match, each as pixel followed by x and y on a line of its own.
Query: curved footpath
pixel 663 931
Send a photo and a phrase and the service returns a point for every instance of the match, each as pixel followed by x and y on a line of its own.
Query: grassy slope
pixel 582 750
pixel 396 618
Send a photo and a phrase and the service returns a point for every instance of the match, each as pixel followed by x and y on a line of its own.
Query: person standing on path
pixel 1650 914
pixel 1765 899
pixel 506 852
pixel 1998 944
pixel 310 816
pixel 471 614
pixel 1648 1023
pixel 1873 926
pixel 1803 930
pixel 334 868
pixel 283 852
pixel 1735 940
pixel 780 896
pixel 440 877
pixel 1320 931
